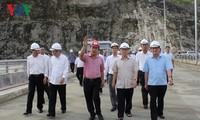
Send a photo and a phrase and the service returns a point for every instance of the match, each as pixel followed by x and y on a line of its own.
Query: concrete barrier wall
pixel 12 92
pixel 13 78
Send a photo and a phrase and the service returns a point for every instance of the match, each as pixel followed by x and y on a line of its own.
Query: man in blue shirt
pixel 155 69
pixel 72 59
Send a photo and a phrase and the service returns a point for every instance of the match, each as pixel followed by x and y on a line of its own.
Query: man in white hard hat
pixel 58 74
pixel 140 58
pixel 47 59
pixel 72 59
pixel 37 73
pixel 125 71
pixel 79 69
pixel 155 69
pixel 93 77
pixel 108 71
pixel 140 48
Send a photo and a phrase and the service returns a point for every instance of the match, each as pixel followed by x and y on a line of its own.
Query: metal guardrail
pixel 187 59
pixel 12 66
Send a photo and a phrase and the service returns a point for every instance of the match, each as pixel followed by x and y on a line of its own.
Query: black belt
pixel 110 74
pixel 36 75
pixel 92 79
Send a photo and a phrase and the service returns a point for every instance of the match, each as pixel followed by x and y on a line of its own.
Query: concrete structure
pixel 181 101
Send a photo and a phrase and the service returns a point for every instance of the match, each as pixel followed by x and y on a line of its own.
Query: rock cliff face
pixel 68 21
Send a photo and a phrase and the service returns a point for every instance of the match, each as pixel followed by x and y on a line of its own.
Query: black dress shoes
pixel 145 106
pixel 63 111
pixel 50 115
pixel 40 111
pixel 161 116
pixel 113 109
pixel 27 113
pixel 92 117
pixel 100 117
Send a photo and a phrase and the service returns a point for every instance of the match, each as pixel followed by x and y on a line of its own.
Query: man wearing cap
pixel 93 77
pixel 72 59
pixel 79 69
pixel 140 58
pixel 155 69
pixel 58 74
pixel 37 72
pixel 108 71
pixel 125 71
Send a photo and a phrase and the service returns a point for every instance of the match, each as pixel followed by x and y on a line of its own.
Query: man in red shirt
pixel 93 77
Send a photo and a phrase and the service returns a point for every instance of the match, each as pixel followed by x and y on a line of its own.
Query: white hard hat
pixel 71 50
pixel 124 45
pixel 155 44
pixel 79 52
pixel 118 52
pixel 114 44
pixel 56 46
pixel 144 41
pixel 35 46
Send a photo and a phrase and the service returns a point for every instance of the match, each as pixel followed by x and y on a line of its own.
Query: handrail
pixel 12 66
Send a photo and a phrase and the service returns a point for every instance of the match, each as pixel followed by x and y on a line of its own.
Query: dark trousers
pixel 157 94
pixel 53 95
pixel 72 67
pixel 46 89
pixel 91 90
pixel 35 81
pixel 113 96
pixel 143 90
pixel 79 75
pixel 124 96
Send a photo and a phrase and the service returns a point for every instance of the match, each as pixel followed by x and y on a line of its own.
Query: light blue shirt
pixel 169 56
pixel 157 69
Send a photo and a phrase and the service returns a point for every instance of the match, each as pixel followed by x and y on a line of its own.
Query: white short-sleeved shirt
pixel 79 62
pixel 125 72
pixel 141 57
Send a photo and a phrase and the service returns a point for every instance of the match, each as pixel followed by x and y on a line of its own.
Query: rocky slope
pixel 68 21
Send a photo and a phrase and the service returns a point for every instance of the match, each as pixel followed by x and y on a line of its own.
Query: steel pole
pixel 164 22
pixel 196 47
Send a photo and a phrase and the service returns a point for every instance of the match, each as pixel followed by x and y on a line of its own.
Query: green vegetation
pixel 184 1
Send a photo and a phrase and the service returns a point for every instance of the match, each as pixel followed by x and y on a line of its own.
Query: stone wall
pixel 68 21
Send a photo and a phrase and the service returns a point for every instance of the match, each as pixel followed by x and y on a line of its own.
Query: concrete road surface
pixel 182 102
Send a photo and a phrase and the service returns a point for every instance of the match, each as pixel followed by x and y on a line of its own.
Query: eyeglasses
pixel 114 48
pixel 155 47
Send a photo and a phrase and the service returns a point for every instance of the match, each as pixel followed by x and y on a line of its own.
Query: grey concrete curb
pixel 13 92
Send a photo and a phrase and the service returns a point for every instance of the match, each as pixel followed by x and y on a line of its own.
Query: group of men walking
pixel 47 73
pixel 123 73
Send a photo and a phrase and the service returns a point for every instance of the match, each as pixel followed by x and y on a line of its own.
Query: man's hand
pixel 85 41
pixel 170 81
pixel 61 81
pixel 102 84
pixel 113 85
pixel 44 80
pixel 134 83
pixel 146 87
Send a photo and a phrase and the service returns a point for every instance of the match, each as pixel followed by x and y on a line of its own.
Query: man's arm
pixel 85 41
pixel 114 79
pixel 173 62
pixel 146 80
pixel 169 74
pixel 102 74
pixel 114 74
